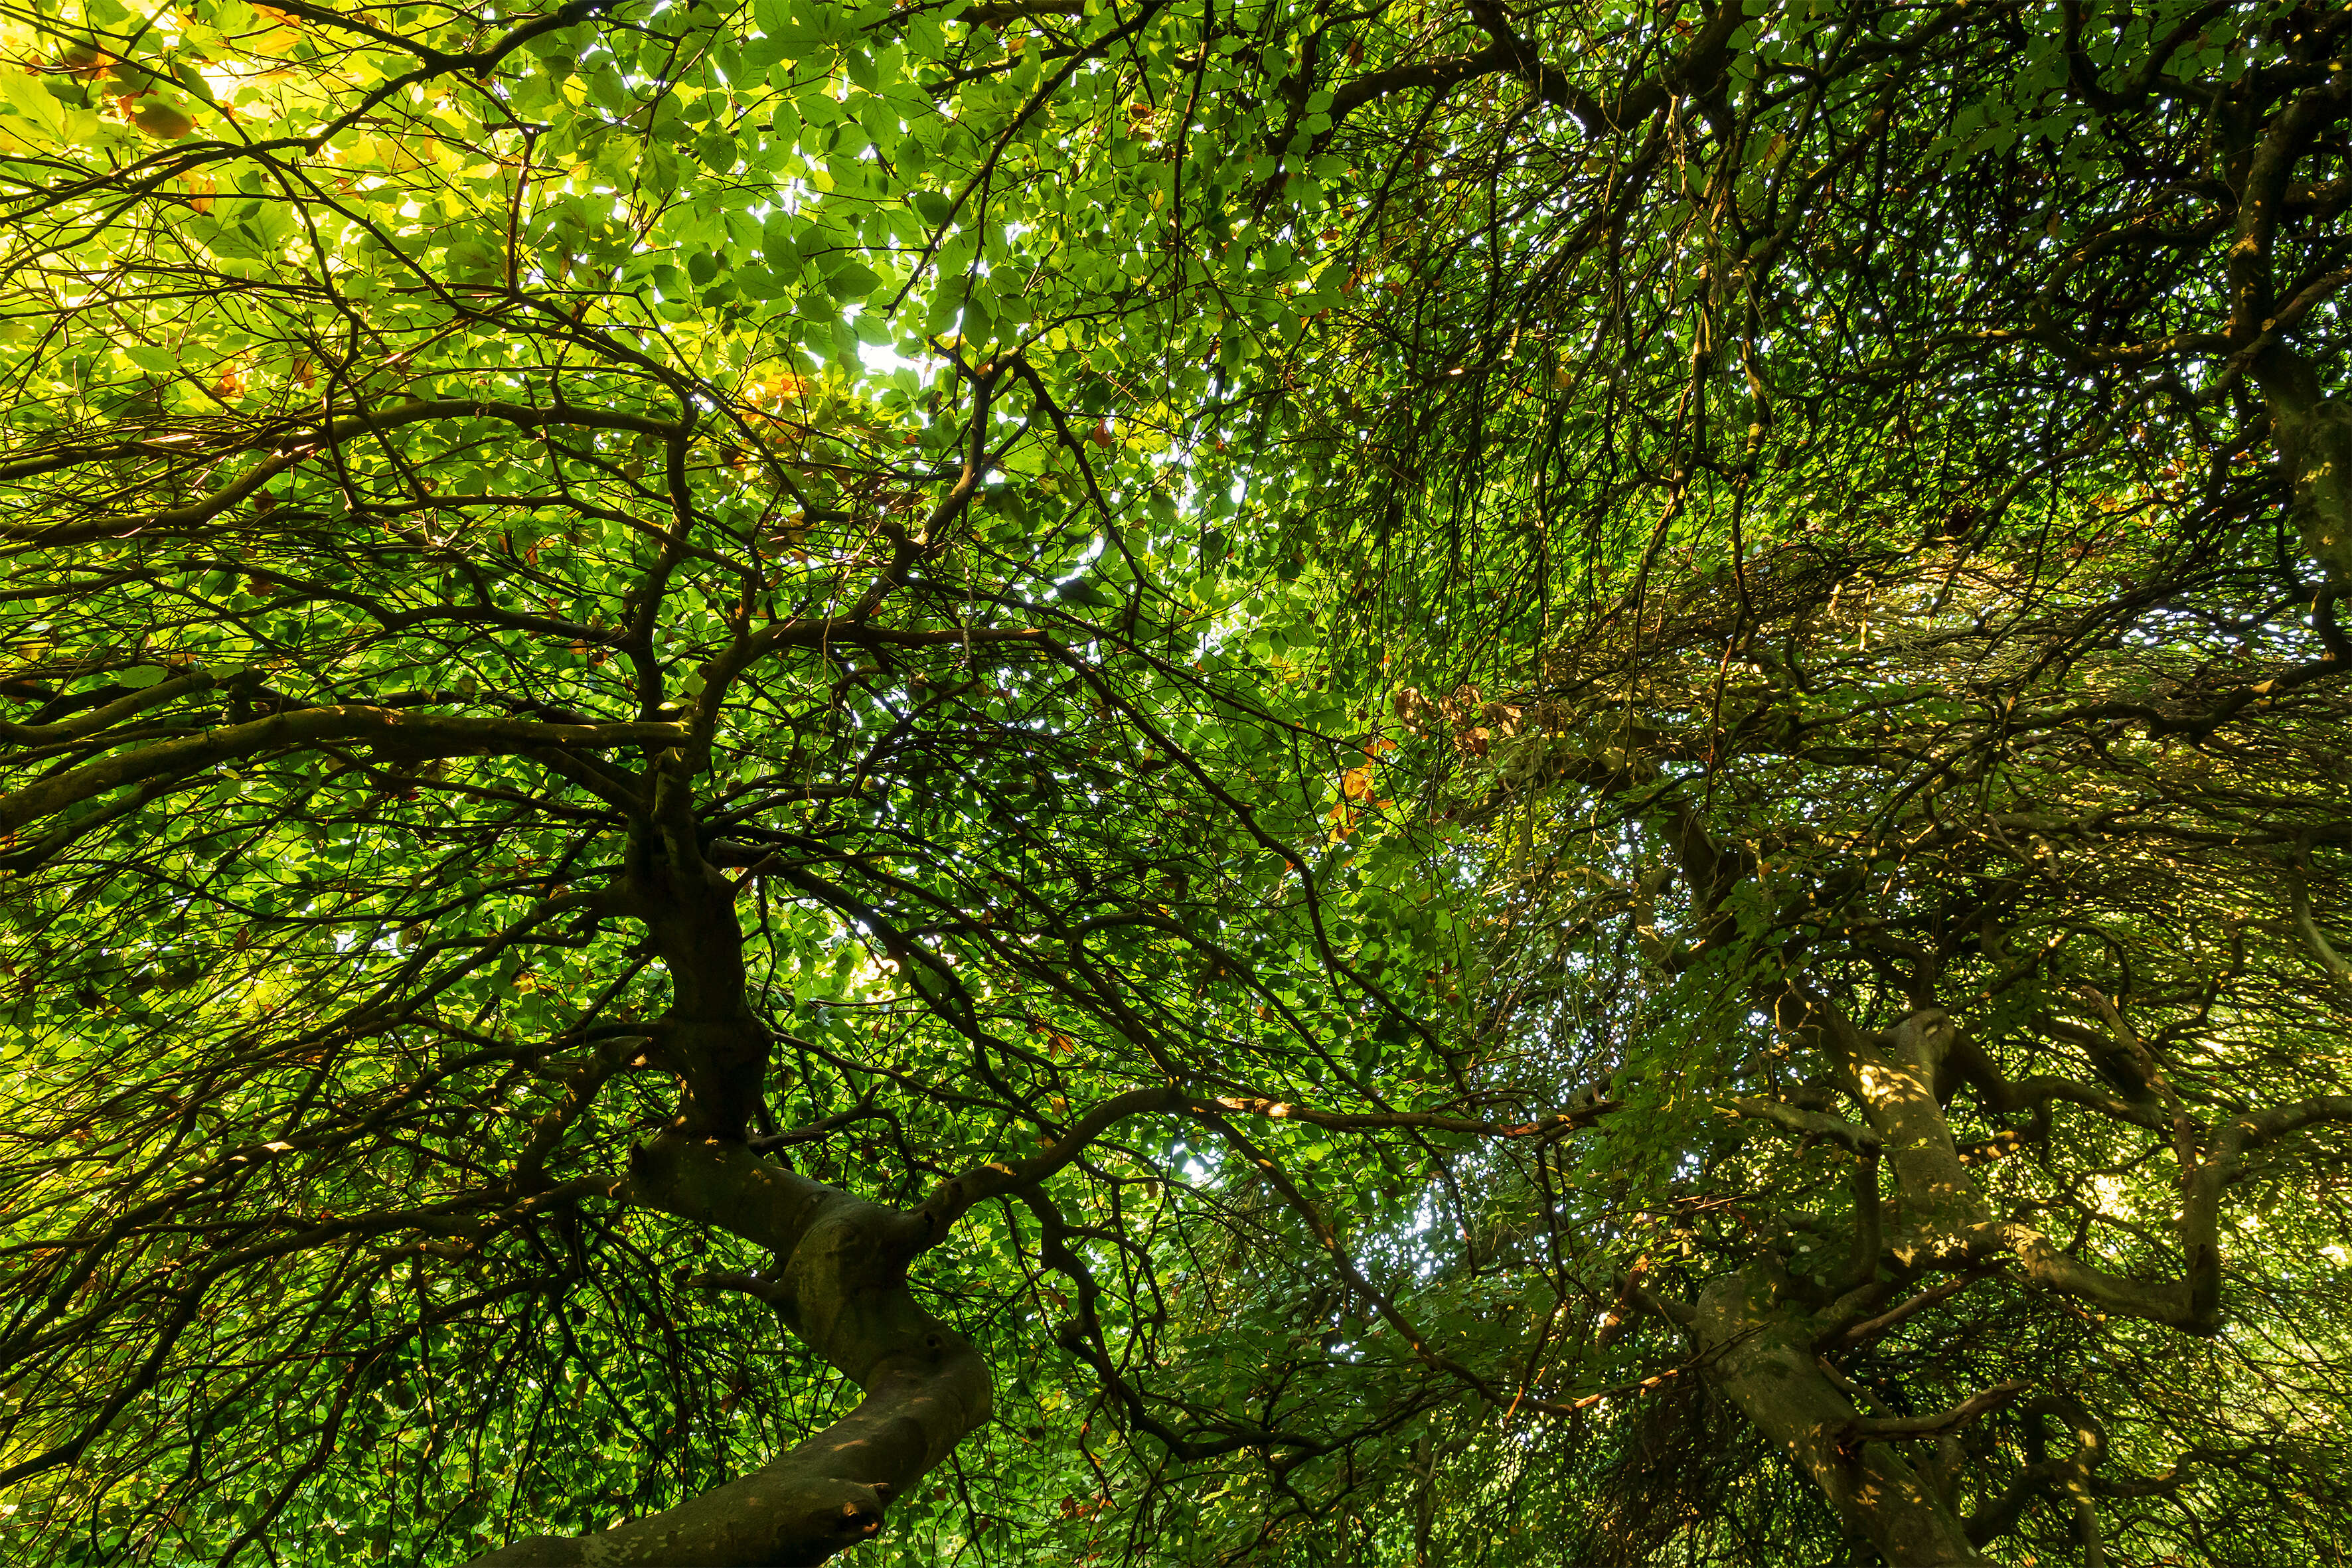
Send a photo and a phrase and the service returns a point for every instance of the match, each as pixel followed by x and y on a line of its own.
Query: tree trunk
pixel 1759 1354
pixel 2313 435
pixel 2316 441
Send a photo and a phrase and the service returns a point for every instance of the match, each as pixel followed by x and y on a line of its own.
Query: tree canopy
pixel 1073 781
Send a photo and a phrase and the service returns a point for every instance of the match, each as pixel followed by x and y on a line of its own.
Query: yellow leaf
pixel 164 122
pixel 38 114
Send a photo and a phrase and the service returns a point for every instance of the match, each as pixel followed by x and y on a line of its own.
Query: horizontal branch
pixel 1848 1336
pixel 825 634
pixel 1593 1103
pixel 998 12
pixel 955 1196
pixel 414 734
pixel 286 445
pixel 112 713
pixel 1701 61
pixel 1864 1429
pixel 1804 1124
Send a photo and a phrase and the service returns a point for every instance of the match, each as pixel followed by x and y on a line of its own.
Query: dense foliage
pixel 1162 783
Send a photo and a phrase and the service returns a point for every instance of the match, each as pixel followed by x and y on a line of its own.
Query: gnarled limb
pixel 420 735
pixel 2072 1475
pixel 1976 1406
pixel 841 1286
pixel 2201 1196
pixel 2312 431
pixel 1839 1330
pixel 2314 938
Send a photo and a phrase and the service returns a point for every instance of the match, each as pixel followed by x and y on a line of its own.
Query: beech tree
pixel 1173 782
pixel 1974 949
pixel 1882 657
pixel 508 742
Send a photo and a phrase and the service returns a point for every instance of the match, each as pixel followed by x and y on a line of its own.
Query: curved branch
pixel 2308 928
pixel 422 736
pixel 2042 1477
pixel 841 1286
pixel 293 445
pixel 1804 1124
pixel 1984 1401
pixel 955 1196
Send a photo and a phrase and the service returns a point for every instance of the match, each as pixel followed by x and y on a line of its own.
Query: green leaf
pixel 852 281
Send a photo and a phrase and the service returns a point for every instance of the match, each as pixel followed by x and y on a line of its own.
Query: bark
pixel 1759 1334
pixel 1894 1076
pixel 2315 436
pixel 2312 431
pixel 709 1036
pixel 839 1280
pixel 1945 1222
pixel 840 1284
pixel 2069 1477
pixel 417 735
pixel 1759 1354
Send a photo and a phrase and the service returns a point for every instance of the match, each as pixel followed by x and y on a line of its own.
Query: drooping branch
pixel 1757 1350
pixel 2314 938
pixel 1838 1334
pixel 278 451
pixel 1805 1123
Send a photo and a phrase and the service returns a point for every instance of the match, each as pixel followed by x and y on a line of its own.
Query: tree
pixel 683 669
pixel 1884 520
pixel 507 747
pixel 1979 1051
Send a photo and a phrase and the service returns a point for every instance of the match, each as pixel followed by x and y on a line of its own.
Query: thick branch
pixel 955 1196
pixel 1802 1123
pixel 1984 1401
pixel 417 735
pixel 841 1286
pixel 297 444
pixel 2042 1477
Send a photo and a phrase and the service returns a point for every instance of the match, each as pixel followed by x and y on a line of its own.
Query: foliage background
pixel 1428 441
